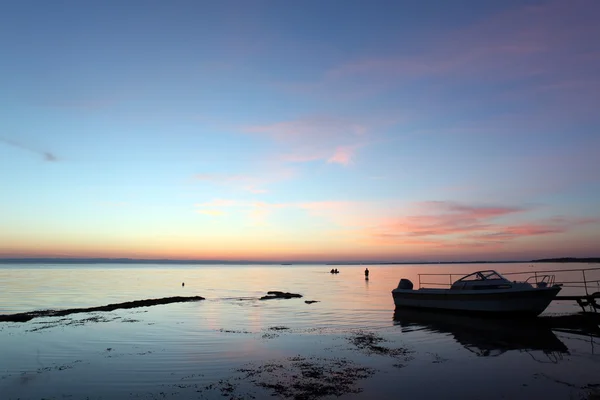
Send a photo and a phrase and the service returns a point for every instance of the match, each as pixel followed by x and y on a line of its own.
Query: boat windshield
pixel 482 276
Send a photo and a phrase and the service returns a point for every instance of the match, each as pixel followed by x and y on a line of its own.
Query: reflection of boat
pixel 483 291
pixel 484 336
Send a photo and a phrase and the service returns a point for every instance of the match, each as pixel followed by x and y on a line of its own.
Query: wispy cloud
pixel 335 140
pixel 46 155
pixel 320 128
pixel 115 204
pixel 212 213
pixel 528 40
pixel 256 212
pixel 222 203
pixel 521 51
pixel 256 184
pixel 335 211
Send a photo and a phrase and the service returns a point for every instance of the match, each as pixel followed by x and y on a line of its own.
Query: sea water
pixel 205 349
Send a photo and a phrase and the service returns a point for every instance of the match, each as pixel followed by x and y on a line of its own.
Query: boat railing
pixel 589 285
pixel 538 280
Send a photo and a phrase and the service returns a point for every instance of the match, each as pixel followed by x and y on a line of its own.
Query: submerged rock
pixel 280 295
pixel 311 301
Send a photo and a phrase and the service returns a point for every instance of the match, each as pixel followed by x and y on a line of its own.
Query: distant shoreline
pixel 58 260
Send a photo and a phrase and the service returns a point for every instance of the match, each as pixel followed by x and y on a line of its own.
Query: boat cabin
pixel 482 280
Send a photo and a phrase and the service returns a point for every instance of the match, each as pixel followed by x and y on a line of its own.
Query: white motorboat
pixel 485 292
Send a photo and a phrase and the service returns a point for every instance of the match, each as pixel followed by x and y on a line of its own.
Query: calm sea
pixel 233 345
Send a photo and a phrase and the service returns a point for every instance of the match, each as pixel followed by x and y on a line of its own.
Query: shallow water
pixel 196 350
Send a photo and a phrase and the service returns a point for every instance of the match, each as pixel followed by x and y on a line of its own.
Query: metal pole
pixel 585 282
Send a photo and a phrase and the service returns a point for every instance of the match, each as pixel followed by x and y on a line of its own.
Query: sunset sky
pixel 300 130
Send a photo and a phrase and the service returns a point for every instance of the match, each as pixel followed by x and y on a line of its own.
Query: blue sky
pixel 333 130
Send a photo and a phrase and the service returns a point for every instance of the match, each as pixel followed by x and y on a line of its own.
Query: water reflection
pixel 485 337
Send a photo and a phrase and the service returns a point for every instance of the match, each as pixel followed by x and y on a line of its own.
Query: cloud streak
pixel 544 227
pixel 449 224
pixel 46 155
pixel 442 219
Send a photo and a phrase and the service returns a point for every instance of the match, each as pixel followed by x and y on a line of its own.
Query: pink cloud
pixel 316 138
pixel 442 218
pixel 436 226
pixel 447 218
pixel 343 155
pixel 448 224
pixel 550 226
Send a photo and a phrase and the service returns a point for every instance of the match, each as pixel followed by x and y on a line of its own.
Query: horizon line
pixel 127 260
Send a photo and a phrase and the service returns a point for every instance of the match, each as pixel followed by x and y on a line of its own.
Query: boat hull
pixel 529 302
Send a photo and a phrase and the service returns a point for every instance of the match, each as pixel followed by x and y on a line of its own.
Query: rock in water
pixel 280 295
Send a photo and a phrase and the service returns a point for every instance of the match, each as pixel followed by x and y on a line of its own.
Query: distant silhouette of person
pixel 366 273
pixel 332 271
pixel 336 271
pixel 182 284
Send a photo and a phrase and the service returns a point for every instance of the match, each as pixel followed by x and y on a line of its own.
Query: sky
pixel 307 131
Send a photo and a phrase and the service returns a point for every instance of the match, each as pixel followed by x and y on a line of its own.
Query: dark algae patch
pixel 305 378
pixel 298 378
pixel 70 322
pixel 24 317
pixel 369 343
pixel 233 331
